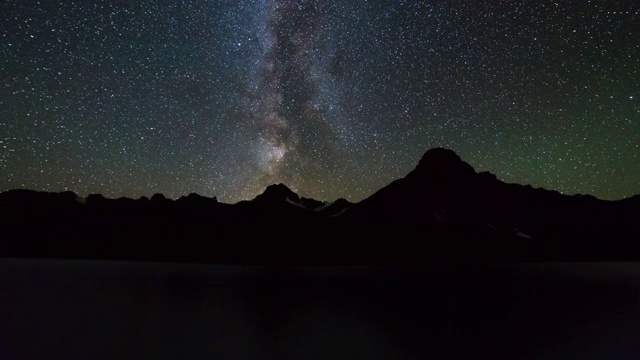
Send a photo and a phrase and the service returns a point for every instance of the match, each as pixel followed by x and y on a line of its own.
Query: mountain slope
pixel 443 209
pixel 443 189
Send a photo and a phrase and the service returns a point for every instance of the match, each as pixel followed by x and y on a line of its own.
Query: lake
pixel 127 310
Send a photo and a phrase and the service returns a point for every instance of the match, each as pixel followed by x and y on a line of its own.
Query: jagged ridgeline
pixel 443 209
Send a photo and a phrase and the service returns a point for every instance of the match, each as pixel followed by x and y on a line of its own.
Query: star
pixel 332 98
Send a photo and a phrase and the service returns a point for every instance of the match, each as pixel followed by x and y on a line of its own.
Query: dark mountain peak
pixel 311 204
pixel 277 192
pixel 335 208
pixel 197 200
pixel 343 202
pixel 279 187
pixel 442 165
pixel 198 197
pixel 158 198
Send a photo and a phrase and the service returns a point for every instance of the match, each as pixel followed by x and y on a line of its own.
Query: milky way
pixel 289 54
pixel 333 98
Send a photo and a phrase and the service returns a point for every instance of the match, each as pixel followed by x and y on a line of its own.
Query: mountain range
pixel 443 210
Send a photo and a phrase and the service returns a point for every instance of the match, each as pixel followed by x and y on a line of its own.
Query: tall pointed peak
pixel 443 164
pixel 277 192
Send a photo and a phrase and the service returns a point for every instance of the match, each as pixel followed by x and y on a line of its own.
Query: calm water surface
pixel 124 310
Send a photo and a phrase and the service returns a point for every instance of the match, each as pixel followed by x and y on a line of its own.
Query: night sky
pixel 333 98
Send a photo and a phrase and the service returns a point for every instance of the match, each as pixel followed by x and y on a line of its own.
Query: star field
pixel 333 98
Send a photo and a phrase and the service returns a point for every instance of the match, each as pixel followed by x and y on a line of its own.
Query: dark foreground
pixel 443 210
pixel 126 310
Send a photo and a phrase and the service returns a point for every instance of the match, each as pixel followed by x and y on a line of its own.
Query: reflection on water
pixel 109 310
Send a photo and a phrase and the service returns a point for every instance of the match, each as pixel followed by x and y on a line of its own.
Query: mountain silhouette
pixel 441 209
pixel 278 193
pixel 444 192
pixel 335 208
